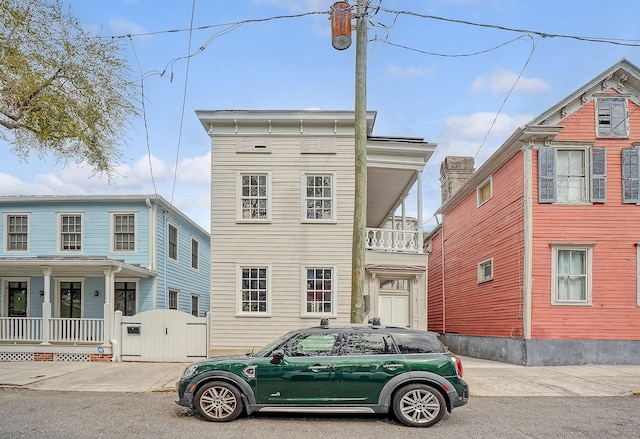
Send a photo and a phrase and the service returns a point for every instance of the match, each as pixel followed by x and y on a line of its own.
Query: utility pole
pixel 341 39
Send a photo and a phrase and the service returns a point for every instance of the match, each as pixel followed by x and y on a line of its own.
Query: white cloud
pixel 195 170
pixel 122 26
pixel 502 80
pixel 396 72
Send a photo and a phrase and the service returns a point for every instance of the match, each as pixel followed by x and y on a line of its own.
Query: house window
pixel 319 291
pixel 572 175
pixel 194 253
pixel 17 232
pixel 254 202
pixel 611 116
pixel 173 299
pixel 70 299
pixel 319 196
pixel 124 299
pixel 571 275
pixel 485 270
pixel 254 290
pixel 630 175
pixel 173 242
pixel 124 232
pixel 195 305
pixel 484 192
pixel 71 232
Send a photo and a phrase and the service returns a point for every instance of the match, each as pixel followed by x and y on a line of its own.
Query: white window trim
pixel 554 273
pixel 587 174
pixel 129 280
pixel 625 98
pixel 481 265
pixel 303 197
pixel 488 181
pixel 196 296
pixel 56 294
pixel 175 226
pixel 4 301
pixel 239 218
pixel 303 290
pixel 197 268
pixel 59 231
pixel 169 290
pixel 6 231
pixel 112 232
pixel 239 312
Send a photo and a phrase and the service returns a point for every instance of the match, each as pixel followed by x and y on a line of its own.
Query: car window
pixel 417 343
pixel 367 343
pixel 309 345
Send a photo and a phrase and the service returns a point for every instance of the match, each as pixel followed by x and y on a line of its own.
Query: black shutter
pixel 546 175
pixel 630 175
pixel 598 175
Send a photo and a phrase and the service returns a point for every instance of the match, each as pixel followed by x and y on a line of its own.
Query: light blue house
pixel 69 263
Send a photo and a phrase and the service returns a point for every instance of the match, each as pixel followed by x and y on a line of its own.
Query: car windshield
pixel 268 348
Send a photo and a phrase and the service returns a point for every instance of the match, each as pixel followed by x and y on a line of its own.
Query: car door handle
pixel 392 366
pixel 318 368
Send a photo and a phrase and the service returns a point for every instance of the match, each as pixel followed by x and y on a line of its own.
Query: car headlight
pixel 190 370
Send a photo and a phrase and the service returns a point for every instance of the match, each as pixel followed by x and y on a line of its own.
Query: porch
pixel 54 339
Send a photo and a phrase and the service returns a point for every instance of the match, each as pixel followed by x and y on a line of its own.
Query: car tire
pixel 419 405
pixel 218 401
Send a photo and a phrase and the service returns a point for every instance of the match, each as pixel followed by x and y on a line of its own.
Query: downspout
pixel 153 250
pixel 528 239
pixel 444 314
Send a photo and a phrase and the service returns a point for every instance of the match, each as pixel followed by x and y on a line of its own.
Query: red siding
pixel 613 227
pixel 471 235
pixel 435 315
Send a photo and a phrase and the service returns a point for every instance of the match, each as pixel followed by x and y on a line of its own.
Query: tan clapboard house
pixel 282 197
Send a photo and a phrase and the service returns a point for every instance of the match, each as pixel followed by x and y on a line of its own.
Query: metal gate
pixel 164 335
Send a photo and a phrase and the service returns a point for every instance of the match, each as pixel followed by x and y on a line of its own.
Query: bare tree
pixel 63 91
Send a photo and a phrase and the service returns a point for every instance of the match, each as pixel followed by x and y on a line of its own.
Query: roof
pixel 623 76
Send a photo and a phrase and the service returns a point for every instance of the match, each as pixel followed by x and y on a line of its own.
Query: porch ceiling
pixel 393 164
pixel 69 267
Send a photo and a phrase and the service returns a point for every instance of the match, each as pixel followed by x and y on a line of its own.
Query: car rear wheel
pixel 419 405
pixel 218 401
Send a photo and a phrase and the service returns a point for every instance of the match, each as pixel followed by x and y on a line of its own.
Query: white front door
pixel 394 309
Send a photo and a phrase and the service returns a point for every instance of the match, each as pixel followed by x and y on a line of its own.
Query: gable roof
pixel 623 77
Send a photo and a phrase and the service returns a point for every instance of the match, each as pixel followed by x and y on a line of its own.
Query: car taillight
pixel 458 362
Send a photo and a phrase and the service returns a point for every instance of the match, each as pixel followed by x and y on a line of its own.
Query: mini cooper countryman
pixel 329 369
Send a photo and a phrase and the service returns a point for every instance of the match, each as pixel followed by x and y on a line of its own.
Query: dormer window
pixel 611 116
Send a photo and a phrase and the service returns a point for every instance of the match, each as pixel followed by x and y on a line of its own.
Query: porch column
pixel 109 279
pixel 46 305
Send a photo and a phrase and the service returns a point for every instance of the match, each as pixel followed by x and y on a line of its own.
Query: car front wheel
pixel 419 405
pixel 218 401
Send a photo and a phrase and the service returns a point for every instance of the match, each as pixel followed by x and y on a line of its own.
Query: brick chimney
pixel 454 172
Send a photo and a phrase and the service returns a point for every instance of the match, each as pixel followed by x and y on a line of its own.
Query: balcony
pixel 397 241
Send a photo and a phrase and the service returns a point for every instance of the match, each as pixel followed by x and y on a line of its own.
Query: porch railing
pixel 21 329
pixel 394 240
pixel 76 330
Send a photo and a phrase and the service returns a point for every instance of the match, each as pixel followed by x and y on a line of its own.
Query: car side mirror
pixel 277 355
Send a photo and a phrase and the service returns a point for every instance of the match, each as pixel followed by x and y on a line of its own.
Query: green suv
pixel 328 369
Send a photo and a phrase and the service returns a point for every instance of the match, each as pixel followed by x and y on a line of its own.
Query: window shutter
pixel 598 175
pixel 546 175
pixel 630 175
pixel 618 118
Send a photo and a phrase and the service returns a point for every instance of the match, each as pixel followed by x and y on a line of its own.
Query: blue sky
pixel 289 64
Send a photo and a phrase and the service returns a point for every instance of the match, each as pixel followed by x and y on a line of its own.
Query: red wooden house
pixel 536 259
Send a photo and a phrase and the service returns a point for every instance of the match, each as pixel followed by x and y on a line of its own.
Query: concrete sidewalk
pixel 485 378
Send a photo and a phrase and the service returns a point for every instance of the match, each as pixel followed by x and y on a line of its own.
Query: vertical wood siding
pixel 473 234
pixel 613 228
pixel 285 244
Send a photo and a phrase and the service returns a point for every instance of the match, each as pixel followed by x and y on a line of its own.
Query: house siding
pixel 491 308
pixel 612 228
pixel 285 244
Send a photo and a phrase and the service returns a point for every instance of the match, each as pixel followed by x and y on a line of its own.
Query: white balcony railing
pixel 407 241
pixel 21 329
pixel 76 330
